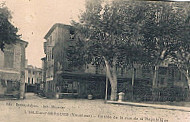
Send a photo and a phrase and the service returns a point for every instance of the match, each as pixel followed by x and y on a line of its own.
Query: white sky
pixel 34 18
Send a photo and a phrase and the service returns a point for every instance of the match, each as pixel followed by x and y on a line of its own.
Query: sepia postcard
pixel 94 61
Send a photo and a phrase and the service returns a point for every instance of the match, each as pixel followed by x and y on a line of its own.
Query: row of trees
pixel 8 32
pixel 124 33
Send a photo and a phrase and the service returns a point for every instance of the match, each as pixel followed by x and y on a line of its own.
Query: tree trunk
pixel 132 82
pixel 188 78
pixel 188 81
pixel 186 74
pixel 188 93
pixel 154 80
pixel 111 74
pixel 154 83
pixel 113 92
pixel 106 95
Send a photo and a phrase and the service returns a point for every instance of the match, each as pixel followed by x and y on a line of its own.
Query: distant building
pixel 33 76
pixel 12 68
pixel 65 81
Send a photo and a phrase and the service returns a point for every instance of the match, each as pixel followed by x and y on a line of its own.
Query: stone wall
pixel 12 67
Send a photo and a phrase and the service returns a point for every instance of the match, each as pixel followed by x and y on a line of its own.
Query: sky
pixel 34 18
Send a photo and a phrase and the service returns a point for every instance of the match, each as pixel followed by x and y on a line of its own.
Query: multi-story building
pixel 64 80
pixel 33 77
pixel 59 32
pixel 12 69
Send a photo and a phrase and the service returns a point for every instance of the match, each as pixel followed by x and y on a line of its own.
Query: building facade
pixel 12 69
pixel 58 33
pixel 33 77
pixel 64 81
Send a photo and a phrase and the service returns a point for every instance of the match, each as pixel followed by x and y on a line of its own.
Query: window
pixel 50 38
pixel 179 75
pixel 8 57
pixel 3 83
pixel 122 71
pixel 28 80
pixel 47 56
pixel 32 81
pixel 72 34
pixel 173 73
pixel 51 54
pixel 158 16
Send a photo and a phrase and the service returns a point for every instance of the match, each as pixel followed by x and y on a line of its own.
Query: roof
pixel 44 58
pixel 56 25
pixel 33 68
pixel 23 42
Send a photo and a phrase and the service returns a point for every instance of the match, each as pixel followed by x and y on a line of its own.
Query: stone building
pixel 64 81
pixel 33 77
pixel 12 69
pixel 58 32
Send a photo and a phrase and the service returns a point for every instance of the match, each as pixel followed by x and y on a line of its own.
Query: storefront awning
pixel 88 77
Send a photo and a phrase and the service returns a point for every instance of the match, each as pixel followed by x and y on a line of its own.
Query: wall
pixel 16 69
pixel 12 66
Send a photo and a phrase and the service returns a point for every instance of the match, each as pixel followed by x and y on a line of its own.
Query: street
pixel 36 109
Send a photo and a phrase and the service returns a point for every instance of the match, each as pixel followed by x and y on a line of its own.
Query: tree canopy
pixel 8 32
pixel 121 33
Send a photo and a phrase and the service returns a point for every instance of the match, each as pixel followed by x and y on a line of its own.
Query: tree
pixel 107 31
pixel 181 57
pixel 124 33
pixel 161 32
pixel 8 33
